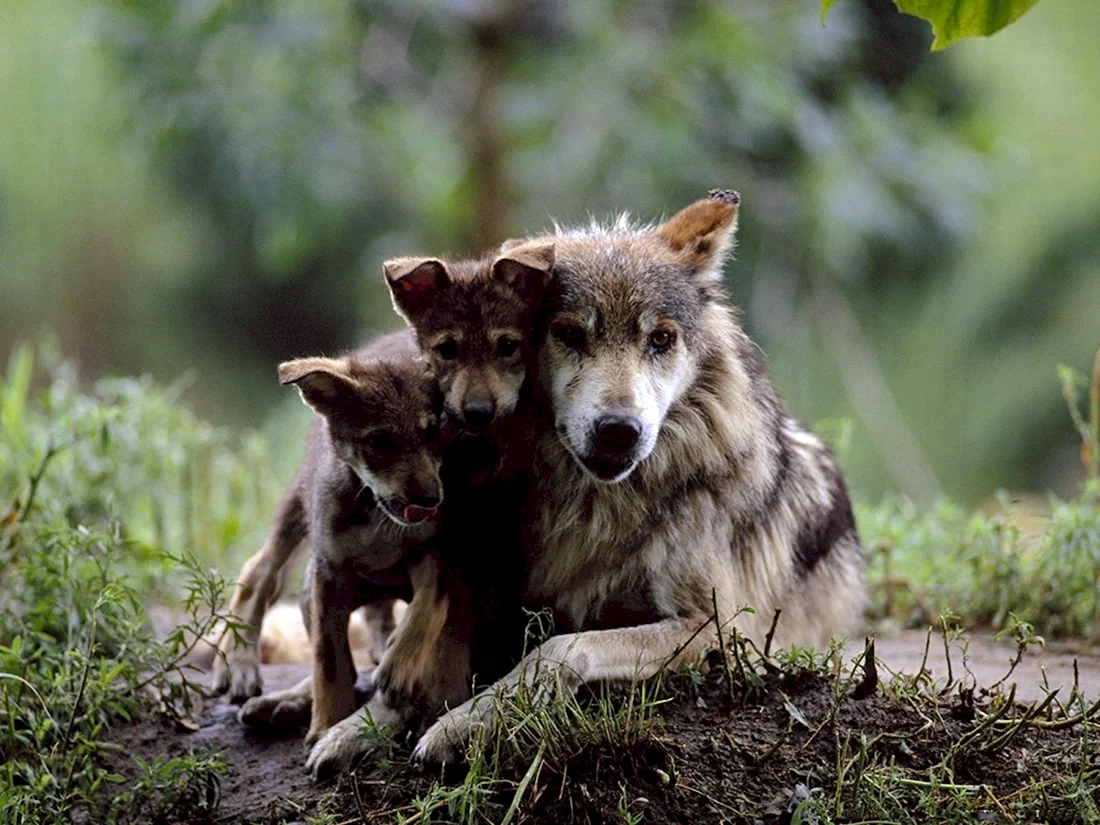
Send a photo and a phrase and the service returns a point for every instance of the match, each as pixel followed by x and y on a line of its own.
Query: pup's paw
pixel 276 711
pixel 239 673
pixel 340 747
pixel 445 741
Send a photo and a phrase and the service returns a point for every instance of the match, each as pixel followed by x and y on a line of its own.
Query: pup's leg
pixel 564 663
pixel 380 624
pixel 237 667
pixel 332 600
pixel 293 707
pixel 288 708
pixel 425 668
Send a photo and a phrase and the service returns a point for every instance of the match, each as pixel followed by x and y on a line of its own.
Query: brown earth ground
pixel 708 760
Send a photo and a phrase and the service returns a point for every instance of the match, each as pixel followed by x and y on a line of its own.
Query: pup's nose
pixel 616 433
pixel 426 500
pixel 479 412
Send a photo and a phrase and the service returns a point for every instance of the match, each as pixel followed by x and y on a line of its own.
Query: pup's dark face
pixel 382 419
pixel 622 344
pixel 476 321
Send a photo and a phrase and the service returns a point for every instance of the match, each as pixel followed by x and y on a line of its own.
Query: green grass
pixel 103 496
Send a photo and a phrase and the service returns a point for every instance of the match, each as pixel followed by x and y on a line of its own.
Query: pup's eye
pixel 570 335
pixel 507 346
pixel 661 340
pixel 447 349
pixel 379 442
pixel 431 434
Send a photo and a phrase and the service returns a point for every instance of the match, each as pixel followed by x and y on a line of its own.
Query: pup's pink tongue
pixel 414 513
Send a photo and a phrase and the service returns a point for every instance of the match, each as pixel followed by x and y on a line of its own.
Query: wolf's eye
pixel 570 335
pixel 660 340
pixel 507 346
pixel 379 442
pixel 431 434
pixel 447 349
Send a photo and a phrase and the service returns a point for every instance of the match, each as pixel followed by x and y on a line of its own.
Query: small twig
pixel 775 746
pixel 722 647
pixel 947 656
pixel 771 634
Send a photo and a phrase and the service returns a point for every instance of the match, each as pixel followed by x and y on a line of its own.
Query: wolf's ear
pixel 526 267
pixel 323 383
pixel 702 234
pixel 414 284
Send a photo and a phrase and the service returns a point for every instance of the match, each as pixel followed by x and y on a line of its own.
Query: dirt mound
pixel 715 748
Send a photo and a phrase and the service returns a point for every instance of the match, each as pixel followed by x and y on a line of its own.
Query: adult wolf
pixel 673 477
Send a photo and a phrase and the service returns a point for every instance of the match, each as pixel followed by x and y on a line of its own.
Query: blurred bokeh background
pixel 210 186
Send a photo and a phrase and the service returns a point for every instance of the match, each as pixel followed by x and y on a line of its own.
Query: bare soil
pixel 711 759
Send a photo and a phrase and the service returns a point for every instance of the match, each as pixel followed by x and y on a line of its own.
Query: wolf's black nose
pixel 616 433
pixel 478 413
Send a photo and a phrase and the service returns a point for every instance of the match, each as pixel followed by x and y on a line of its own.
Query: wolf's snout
pixel 616 434
pixel 479 412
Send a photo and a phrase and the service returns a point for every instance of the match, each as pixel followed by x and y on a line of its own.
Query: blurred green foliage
pixel 102 496
pixel 213 185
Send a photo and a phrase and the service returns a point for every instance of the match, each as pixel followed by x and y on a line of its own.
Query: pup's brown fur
pixel 673 475
pixel 366 496
pixel 476 321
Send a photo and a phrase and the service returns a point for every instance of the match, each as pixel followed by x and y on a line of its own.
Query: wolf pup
pixel 366 496
pixel 476 322
pixel 673 478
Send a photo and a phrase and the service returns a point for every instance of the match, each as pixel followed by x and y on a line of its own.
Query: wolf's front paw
pixel 340 747
pixel 446 740
pixel 238 671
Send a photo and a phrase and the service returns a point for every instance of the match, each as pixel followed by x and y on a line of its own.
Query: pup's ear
pixel 323 383
pixel 414 284
pixel 702 234
pixel 526 267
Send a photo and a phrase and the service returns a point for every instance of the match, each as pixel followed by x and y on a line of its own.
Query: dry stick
pixel 722 646
pixel 684 646
pixel 771 634
pixel 1006 737
pixel 979 730
pixel 947 656
pixel 869 684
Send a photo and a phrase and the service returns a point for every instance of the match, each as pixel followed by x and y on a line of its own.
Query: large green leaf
pixel 955 19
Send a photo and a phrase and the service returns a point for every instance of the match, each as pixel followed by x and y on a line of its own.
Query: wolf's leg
pixel 237 667
pixel 565 663
pixel 331 603
pixel 425 668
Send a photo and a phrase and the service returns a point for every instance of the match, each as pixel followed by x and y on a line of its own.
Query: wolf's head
pixel 623 339
pixel 476 321
pixel 382 419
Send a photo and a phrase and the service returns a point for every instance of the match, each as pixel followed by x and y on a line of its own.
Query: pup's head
pixel 382 418
pixel 476 322
pixel 623 337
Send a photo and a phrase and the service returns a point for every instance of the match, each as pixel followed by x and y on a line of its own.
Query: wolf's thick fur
pixel 673 477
